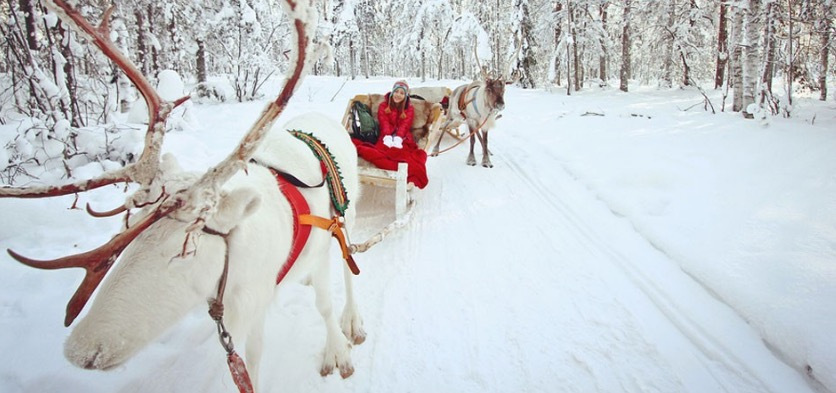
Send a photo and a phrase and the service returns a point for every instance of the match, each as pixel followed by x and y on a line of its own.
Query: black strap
pixel 290 178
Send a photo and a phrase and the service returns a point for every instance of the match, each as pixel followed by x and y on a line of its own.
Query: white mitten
pixel 397 142
pixel 387 140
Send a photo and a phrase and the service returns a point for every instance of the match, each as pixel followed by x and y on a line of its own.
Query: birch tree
pixel 626 42
pixel 722 46
pixel 736 61
pixel 527 51
pixel 752 24
pixel 825 28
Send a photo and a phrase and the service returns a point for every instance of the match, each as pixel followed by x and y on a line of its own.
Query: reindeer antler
pixel 147 169
pixel 485 75
pixel 516 74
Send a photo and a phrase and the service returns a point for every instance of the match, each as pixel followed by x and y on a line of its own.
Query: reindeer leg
pixel 351 322
pixel 254 346
pixel 486 155
pixel 337 348
pixel 471 159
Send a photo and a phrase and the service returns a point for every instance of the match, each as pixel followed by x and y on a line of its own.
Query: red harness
pixel 301 233
pixel 303 220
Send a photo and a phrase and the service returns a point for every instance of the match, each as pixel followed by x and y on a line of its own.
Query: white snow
pixel 620 244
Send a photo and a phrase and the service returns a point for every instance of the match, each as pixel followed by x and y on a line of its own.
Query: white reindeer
pixel 151 288
pixel 225 234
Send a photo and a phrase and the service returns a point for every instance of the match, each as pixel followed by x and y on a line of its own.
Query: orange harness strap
pixel 334 226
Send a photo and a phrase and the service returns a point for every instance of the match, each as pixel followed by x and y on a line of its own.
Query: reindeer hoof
pixel 358 337
pixel 346 370
pixel 488 165
pixel 352 326
pixel 326 370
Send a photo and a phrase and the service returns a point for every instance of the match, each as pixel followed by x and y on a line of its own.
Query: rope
pixel 463 139
pixel 356 248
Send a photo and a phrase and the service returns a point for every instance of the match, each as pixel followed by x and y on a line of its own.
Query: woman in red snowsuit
pixel 395 143
pixel 395 116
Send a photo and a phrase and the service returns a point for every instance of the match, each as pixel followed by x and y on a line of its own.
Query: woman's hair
pixel 401 107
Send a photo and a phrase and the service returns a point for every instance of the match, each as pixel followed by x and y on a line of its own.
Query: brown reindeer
pixel 478 105
pixel 226 235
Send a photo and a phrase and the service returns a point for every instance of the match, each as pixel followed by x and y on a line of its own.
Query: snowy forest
pixel 660 217
pixel 740 46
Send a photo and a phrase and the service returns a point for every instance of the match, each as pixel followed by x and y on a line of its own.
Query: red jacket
pixel 392 123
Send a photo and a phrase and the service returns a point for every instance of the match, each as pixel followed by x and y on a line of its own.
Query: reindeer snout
pixel 93 352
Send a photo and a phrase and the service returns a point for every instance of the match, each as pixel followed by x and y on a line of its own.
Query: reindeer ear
pixel 169 164
pixel 234 207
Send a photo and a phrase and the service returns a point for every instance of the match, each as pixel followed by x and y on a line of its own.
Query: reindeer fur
pixel 149 290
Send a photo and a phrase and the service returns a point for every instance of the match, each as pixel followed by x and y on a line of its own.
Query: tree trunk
pixel 69 77
pixel 524 40
pixel 670 38
pixel 440 73
pixel 575 58
pixel 201 61
pixel 28 12
pixel 683 52
pixel 769 67
pixel 365 56
pixel 124 95
pixel 352 56
pixel 54 98
pixel 790 54
pixel 602 60
pixel 751 54
pixel 155 61
pixel 722 48
pixel 462 71
pixel 625 48
pixel 141 46
pixel 420 50
pixel 826 26
pixel 686 69
pixel 736 61
pixel 568 48
pixel 496 35
pixel 558 32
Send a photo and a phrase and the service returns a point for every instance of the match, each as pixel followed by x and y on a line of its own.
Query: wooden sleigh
pixel 428 119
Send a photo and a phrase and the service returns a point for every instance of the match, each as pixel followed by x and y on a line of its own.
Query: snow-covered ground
pixel 620 244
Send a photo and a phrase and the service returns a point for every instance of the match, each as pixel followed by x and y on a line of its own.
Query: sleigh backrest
pixel 428 115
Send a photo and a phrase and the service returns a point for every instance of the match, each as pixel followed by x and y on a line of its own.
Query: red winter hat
pixel 401 85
